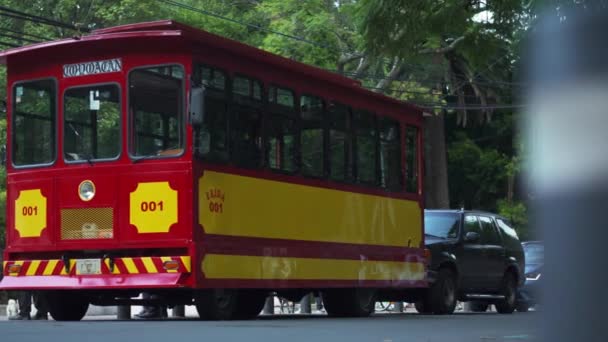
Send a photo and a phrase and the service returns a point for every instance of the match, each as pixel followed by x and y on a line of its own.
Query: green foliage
pixel 477 177
pixel 517 213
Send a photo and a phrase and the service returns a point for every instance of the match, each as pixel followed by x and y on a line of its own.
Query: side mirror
pixel 197 105
pixel 471 237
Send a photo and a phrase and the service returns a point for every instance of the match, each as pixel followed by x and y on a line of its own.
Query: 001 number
pixel 29 211
pixel 216 207
pixel 151 206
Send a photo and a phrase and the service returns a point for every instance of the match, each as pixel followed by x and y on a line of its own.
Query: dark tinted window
pixel 390 155
pixel 339 142
pixel 312 136
pixel 489 234
pixel 281 143
pixel 411 158
pixel 213 78
pixel 246 130
pixel 471 224
pixel 281 96
pixel 442 225
pixel 212 142
pixel 34 117
pixel 246 89
pixel 366 137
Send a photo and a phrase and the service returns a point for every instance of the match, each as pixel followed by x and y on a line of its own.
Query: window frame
pixel 120 122
pixel 130 123
pixel 56 128
pixel 273 109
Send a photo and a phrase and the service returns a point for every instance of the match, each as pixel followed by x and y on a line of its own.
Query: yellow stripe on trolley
pixel 149 265
pixel 4 266
pixel 48 270
pixel 187 263
pixel 217 266
pixel 33 267
pixel 130 265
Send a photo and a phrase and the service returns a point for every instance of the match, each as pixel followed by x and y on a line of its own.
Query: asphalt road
pixel 460 327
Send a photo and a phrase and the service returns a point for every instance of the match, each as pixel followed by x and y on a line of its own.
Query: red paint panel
pixel 131 281
pixel 222 244
pixel 294 284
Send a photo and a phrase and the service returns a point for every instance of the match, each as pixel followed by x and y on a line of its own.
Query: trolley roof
pixel 170 28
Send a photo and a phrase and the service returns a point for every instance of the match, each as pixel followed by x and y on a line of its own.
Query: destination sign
pixel 92 68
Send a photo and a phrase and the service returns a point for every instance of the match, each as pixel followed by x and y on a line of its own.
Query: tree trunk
pixel 436 168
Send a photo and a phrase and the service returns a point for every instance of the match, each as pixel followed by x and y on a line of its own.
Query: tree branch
pixel 392 75
pixel 443 50
pixel 347 58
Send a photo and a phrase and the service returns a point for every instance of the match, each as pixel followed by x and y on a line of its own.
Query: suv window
pixel 471 224
pixel 489 235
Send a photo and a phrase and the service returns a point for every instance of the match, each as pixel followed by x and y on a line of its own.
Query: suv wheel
pixel 523 307
pixel 443 293
pixel 509 291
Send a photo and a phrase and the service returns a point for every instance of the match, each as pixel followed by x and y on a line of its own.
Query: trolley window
pixel 366 146
pixel 411 157
pixel 339 142
pixel 212 137
pixel 390 155
pixel 156 111
pixel 312 136
pixel 91 123
pixel 34 120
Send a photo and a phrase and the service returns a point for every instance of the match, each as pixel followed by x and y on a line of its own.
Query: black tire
pixel 229 304
pixel 66 305
pixel 357 302
pixel 522 307
pixel 442 294
pixel 216 304
pixel 476 306
pixel 423 307
pixel 249 304
pixel 509 291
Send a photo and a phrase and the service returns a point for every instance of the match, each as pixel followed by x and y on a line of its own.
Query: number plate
pixel 88 266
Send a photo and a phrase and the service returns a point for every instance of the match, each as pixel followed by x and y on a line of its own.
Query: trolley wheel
pixel 352 302
pixel 229 304
pixel 66 305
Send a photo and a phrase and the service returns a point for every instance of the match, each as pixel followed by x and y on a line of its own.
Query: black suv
pixel 476 257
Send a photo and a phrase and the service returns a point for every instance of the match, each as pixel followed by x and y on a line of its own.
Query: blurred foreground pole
pixel 567 139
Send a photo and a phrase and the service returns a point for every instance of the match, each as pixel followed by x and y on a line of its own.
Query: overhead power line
pixel 24 34
pixel 3 43
pixel 13 13
pixel 12 36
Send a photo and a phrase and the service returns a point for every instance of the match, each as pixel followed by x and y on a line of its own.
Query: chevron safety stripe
pixel 116 266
